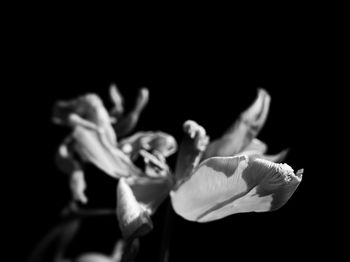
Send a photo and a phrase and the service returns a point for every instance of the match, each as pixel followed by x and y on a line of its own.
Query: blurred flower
pixel 211 180
pixel 94 140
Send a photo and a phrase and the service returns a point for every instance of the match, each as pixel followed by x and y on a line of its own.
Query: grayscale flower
pixel 94 140
pixel 211 180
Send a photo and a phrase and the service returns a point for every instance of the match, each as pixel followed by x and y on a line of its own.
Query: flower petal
pixel 128 123
pixel 78 186
pixel 61 111
pixel 134 220
pixel 238 136
pixel 160 142
pixel 117 100
pixel 256 145
pixel 70 166
pixel 150 191
pixel 87 110
pixel 64 158
pixel 277 158
pixel 155 166
pixel 222 186
pixel 93 146
pixel 192 146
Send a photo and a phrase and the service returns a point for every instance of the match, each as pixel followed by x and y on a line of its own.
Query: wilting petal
pixel 155 166
pixel 150 191
pixel 87 110
pixel 134 220
pixel 67 164
pixel 61 111
pixel 256 145
pixel 191 148
pixel 78 186
pixel 93 146
pixel 155 142
pixel 128 123
pixel 222 186
pixel 244 129
pixel 64 158
pixel 92 257
pixel 117 100
pixel 276 157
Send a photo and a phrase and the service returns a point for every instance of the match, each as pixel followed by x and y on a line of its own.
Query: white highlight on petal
pixel 222 186
pixel 207 181
pixel 251 202
pixel 244 129
pixel 131 215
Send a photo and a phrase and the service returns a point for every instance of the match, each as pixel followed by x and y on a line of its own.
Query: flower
pixel 232 174
pixel 235 175
pixel 94 140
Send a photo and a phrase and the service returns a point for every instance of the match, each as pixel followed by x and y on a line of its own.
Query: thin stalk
pixel 62 234
pixel 166 234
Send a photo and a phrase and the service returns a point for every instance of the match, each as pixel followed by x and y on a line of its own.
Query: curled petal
pixel 78 186
pixel 87 110
pixel 243 130
pixel 64 158
pixel 67 164
pixel 117 100
pixel 61 111
pixel 94 147
pixel 155 166
pixel 277 158
pixel 150 192
pixel 222 186
pixel 156 142
pixel 128 123
pixel 134 220
pixel 256 145
pixel 192 146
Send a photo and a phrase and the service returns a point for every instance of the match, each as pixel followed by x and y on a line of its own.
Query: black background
pixel 208 79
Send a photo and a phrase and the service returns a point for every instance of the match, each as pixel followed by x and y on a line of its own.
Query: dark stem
pixel 53 246
pixel 166 235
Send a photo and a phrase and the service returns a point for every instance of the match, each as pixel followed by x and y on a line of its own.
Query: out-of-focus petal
pixel 134 220
pixel 159 142
pixel 150 192
pixel 78 186
pixel 129 122
pixel 64 158
pixel 92 257
pixel 155 166
pixel 61 111
pixel 256 145
pixel 279 157
pixel 222 186
pixel 191 148
pixel 241 133
pixel 70 166
pixel 87 110
pixel 93 146
pixel 117 100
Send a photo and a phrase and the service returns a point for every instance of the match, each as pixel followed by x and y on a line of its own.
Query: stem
pixel 166 235
pixel 57 240
pixel 61 235
pixel 93 212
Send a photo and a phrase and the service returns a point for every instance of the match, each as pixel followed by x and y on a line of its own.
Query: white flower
pixel 211 180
